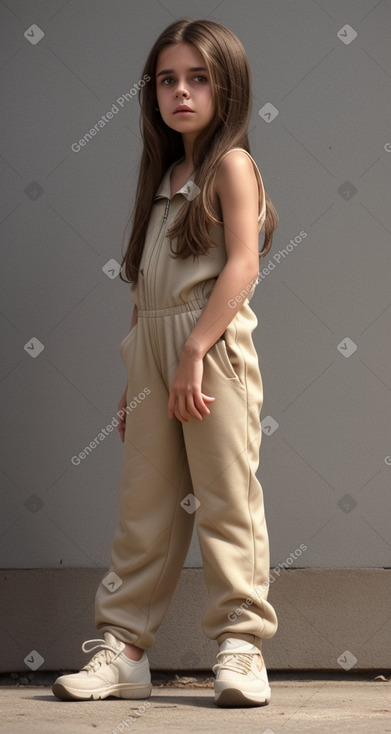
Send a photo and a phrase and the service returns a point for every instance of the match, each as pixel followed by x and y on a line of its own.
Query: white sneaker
pixel 109 673
pixel 241 676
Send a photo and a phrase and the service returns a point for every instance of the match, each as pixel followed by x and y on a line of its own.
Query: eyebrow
pixel 172 71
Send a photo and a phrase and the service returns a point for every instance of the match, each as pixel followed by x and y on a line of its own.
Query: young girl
pixel 192 436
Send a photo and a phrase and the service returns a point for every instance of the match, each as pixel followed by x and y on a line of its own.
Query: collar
pixel 189 188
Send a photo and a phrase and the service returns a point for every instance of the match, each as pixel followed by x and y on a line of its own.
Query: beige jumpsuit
pixel 213 460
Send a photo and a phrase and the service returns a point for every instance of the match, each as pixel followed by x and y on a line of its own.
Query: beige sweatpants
pixel 175 473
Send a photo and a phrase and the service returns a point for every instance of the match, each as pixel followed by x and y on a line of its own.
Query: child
pixel 192 437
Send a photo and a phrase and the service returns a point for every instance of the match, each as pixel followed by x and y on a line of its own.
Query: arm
pixel 237 188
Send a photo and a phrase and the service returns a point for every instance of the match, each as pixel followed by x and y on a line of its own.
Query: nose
pixel 181 90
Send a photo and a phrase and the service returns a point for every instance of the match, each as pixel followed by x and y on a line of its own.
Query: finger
pixel 201 401
pixel 193 407
pixel 181 410
pixel 179 416
pixel 207 398
pixel 172 407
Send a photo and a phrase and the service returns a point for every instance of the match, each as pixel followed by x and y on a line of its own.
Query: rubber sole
pixel 235 697
pixel 136 691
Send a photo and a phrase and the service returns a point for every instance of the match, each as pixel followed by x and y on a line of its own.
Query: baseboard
pixel 329 619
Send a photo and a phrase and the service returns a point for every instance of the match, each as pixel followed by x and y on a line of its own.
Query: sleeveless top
pixel 165 282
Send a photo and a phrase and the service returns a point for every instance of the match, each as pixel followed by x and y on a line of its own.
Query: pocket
pixel 224 361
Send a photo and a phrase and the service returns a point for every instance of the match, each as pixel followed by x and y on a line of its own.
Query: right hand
pixel 122 421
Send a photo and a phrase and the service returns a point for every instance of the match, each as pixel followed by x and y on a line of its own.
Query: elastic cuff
pixel 257 641
pixel 122 635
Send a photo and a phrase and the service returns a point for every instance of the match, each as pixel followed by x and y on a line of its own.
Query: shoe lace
pixel 238 662
pixel 105 656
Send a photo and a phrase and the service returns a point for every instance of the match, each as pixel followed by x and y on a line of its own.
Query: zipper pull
pixel 166 210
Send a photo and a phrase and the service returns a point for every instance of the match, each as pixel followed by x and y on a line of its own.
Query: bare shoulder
pixel 235 163
pixel 235 179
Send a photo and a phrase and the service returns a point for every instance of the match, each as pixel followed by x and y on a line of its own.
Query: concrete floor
pixel 316 704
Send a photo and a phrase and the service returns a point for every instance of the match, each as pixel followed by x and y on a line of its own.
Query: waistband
pixel 194 305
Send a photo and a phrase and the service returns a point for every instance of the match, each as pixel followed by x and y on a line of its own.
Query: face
pixel 182 79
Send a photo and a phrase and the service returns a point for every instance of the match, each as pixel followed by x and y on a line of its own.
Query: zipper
pixel 155 252
pixel 165 215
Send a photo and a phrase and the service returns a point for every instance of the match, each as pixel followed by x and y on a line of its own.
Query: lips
pixel 182 108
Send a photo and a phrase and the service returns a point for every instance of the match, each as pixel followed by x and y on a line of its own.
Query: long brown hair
pixel 230 77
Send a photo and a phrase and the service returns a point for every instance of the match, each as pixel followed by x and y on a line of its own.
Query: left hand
pixel 186 399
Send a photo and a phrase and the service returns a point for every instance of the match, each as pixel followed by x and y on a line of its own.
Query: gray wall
pixel 323 307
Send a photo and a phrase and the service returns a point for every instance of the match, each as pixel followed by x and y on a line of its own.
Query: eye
pixel 169 79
